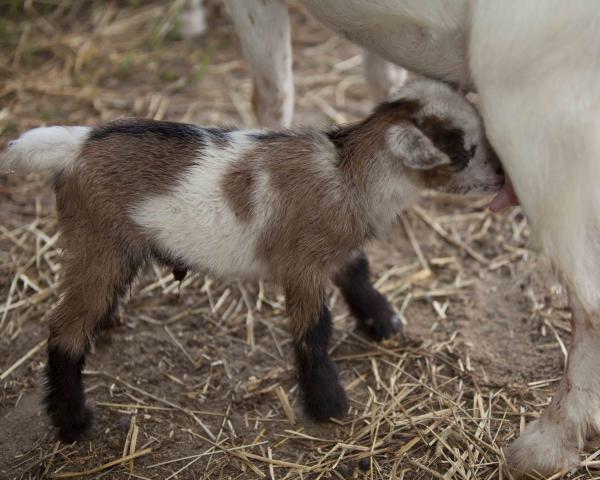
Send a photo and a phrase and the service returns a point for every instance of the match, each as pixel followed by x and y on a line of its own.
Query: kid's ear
pixel 414 148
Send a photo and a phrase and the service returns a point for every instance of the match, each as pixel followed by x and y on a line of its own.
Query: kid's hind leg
pixel 93 280
pixel 375 316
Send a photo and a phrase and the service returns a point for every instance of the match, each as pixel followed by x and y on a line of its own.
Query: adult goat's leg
pixel 539 104
pixel 263 27
pixel 382 76
pixel 193 19
pixel 552 442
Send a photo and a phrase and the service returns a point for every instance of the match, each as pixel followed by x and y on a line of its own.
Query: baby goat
pixel 296 207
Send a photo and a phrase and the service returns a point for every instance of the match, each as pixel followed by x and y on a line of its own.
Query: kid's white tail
pixel 44 148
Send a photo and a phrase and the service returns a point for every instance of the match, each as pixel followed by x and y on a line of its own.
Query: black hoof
pixel 328 402
pixel 378 329
pixel 75 427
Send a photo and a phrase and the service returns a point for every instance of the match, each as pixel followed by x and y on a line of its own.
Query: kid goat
pixel 296 207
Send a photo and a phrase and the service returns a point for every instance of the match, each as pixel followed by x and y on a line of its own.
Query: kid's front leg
pixel 374 314
pixel 323 395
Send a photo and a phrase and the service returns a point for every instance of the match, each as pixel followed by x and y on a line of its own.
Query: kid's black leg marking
pixel 65 400
pixel 375 316
pixel 324 396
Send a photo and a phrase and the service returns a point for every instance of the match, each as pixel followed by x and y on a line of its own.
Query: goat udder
pixel 506 197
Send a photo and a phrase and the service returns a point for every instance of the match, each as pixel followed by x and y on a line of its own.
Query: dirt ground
pixel 196 380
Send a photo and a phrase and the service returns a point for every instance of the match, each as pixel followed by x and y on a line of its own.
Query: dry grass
pixel 197 382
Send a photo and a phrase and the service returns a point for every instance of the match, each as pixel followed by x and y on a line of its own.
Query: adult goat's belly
pixel 426 36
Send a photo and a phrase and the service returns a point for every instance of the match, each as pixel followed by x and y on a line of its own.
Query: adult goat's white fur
pixel 535 66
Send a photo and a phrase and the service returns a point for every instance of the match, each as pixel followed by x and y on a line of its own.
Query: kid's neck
pixel 368 166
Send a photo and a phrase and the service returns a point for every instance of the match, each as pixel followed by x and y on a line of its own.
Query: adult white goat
pixel 536 67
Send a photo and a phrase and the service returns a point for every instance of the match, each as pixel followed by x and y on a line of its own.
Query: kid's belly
pixel 203 237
